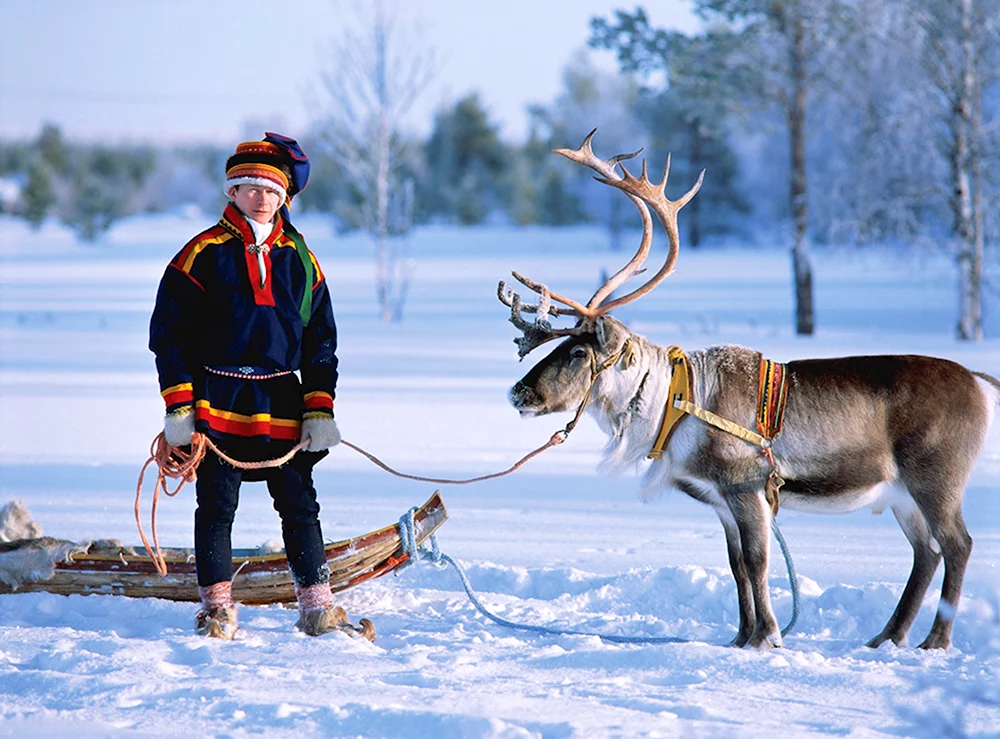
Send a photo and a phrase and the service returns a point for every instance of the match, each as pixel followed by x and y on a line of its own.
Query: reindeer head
pixel 596 342
pixel 562 379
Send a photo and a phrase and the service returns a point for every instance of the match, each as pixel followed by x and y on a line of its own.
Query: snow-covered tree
pixel 378 69
pixel 958 42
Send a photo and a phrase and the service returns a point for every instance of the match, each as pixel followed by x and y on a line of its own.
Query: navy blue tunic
pixel 230 339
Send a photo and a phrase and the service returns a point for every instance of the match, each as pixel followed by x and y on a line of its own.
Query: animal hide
pixel 16 523
pixel 27 556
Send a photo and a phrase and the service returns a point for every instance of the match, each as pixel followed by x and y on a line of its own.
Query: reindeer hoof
pixel 899 641
pixel 769 641
pixel 740 640
pixel 878 641
pixel 933 642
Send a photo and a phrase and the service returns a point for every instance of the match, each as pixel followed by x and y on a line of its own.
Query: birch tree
pixel 941 59
pixel 865 130
pixel 958 42
pixel 378 69
pixel 787 43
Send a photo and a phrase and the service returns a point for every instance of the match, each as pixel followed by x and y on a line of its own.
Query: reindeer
pixel 901 432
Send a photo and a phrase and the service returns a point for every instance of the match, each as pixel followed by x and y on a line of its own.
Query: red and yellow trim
pixel 178 394
pixel 283 241
pixel 259 147
pixel 258 171
pixel 318 400
pixel 185 260
pixel 316 270
pixel 237 424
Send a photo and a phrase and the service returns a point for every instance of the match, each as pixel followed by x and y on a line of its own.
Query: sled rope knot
pixel 434 556
pixel 413 551
pixel 175 463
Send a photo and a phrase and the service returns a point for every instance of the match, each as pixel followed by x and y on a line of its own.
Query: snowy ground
pixel 554 544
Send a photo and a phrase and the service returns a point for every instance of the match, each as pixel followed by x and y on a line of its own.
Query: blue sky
pixel 179 71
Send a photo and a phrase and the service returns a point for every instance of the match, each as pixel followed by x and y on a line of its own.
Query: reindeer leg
pixel 937 487
pixel 925 562
pixel 753 518
pixel 956 546
pixel 743 590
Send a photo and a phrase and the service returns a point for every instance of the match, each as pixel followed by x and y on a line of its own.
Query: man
pixel 240 309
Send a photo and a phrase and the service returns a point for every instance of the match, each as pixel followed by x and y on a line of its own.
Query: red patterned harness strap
pixel 772 394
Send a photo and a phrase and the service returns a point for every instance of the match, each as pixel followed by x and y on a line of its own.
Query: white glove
pixel 322 432
pixel 178 427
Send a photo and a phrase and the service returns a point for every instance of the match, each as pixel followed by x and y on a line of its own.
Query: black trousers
pixel 291 489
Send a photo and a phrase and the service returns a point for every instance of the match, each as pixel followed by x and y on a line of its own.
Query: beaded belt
pixel 247 373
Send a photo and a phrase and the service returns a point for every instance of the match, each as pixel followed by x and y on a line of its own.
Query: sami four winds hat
pixel 277 162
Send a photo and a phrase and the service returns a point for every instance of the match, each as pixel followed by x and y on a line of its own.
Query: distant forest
pixel 846 122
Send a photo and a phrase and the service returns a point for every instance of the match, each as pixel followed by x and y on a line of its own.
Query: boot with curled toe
pixel 334 618
pixel 219 622
pixel 318 615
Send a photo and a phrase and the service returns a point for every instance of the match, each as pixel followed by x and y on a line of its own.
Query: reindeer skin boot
pixel 318 615
pixel 217 617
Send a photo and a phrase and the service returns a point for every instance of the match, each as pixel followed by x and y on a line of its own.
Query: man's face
pixel 257 203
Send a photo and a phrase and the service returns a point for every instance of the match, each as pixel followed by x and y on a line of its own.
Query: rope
pixel 555 440
pixel 175 463
pixel 793 581
pixel 435 557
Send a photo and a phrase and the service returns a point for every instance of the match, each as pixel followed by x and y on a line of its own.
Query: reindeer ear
pixel 602 329
pixel 612 337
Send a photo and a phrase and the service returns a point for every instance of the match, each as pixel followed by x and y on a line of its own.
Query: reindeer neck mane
pixel 630 403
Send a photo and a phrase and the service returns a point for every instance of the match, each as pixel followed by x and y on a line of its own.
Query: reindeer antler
pixel 606 168
pixel 535 332
pixel 641 192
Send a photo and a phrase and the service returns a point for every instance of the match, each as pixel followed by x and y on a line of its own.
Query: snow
pixel 553 544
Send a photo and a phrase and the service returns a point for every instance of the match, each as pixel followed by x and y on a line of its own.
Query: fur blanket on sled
pixel 27 556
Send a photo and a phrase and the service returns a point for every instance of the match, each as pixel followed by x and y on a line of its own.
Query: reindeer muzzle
pixel 529 403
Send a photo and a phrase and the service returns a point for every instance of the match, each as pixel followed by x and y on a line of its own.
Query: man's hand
pixel 178 427
pixel 322 432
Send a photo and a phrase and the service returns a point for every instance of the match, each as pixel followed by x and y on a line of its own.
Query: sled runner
pixel 44 564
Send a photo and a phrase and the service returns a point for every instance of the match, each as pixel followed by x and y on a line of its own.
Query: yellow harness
pixel 772 394
pixel 679 392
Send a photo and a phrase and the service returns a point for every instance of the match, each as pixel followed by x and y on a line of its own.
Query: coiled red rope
pixel 178 464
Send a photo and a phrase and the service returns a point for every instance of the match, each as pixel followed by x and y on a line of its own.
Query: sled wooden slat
pixel 260 579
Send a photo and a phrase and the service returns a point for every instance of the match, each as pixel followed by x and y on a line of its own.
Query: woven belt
pixel 247 373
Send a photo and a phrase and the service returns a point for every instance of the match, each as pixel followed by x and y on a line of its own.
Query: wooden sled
pixel 259 579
